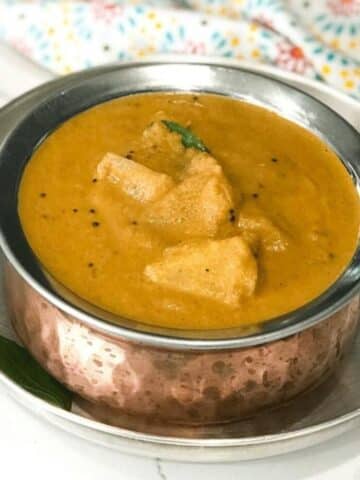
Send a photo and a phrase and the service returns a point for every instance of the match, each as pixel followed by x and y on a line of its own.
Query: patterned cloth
pixel 317 38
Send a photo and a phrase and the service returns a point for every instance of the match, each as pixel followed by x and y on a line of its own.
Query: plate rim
pixel 92 424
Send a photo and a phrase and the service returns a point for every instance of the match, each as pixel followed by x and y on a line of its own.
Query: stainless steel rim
pixel 273 330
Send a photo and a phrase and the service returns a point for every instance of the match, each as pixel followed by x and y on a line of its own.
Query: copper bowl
pixel 122 367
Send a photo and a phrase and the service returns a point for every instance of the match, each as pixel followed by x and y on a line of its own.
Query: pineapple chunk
pixel 221 270
pixel 201 162
pixel 257 229
pixel 194 208
pixel 136 180
pixel 159 136
pixel 122 223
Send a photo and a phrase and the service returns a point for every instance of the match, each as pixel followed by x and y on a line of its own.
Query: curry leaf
pixel 188 138
pixel 20 367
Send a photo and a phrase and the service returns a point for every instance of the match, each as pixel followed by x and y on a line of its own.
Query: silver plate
pixel 312 418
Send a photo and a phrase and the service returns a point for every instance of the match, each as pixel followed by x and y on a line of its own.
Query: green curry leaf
pixel 19 366
pixel 188 138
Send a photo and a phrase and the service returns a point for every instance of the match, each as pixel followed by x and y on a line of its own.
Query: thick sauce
pixel 293 203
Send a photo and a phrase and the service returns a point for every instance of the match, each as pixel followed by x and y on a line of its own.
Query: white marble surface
pixel 30 448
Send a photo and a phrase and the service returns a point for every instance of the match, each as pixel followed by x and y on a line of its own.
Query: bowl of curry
pixel 181 239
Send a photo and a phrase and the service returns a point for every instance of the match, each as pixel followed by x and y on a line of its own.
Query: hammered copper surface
pixel 187 387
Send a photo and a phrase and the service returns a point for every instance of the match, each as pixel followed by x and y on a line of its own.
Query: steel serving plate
pixel 317 415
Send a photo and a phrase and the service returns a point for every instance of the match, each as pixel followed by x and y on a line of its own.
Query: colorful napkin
pixel 316 38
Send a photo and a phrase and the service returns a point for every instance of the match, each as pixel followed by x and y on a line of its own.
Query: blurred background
pixel 316 38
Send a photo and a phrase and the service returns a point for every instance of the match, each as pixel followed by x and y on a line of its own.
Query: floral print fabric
pixel 316 38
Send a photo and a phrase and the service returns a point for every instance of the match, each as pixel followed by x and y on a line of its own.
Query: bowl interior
pixel 86 90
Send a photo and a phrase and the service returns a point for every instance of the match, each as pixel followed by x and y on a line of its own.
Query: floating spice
pixel 232 216
pixel 188 138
